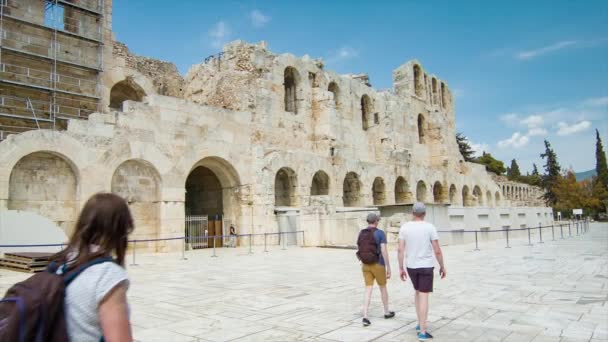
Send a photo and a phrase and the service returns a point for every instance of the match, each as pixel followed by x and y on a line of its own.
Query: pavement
pixel 554 291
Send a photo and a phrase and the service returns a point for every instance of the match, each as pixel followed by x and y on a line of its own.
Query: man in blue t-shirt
pixel 380 271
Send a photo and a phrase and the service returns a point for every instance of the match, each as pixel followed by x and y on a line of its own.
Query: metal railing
pixel 133 243
pixel 581 227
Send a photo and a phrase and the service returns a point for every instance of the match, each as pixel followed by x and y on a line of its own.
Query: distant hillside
pixel 584 175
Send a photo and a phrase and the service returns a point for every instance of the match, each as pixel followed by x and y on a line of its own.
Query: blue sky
pixel 521 71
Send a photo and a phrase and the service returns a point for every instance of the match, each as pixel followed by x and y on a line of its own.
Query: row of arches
pixel 437 94
pixel 515 192
pixel 286 191
pixel 369 117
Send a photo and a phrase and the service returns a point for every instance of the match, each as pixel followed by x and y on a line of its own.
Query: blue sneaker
pixel 418 328
pixel 424 337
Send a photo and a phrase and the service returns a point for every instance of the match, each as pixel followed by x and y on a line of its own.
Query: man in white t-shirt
pixel 418 241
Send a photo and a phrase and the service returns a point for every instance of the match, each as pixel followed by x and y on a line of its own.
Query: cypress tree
pixel 465 148
pixel 601 167
pixel 534 170
pixel 513 172
pixel 552 174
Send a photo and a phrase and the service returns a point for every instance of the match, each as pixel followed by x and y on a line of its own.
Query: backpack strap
pixel 70 276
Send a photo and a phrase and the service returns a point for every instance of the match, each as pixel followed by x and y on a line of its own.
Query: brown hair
pixel 105 221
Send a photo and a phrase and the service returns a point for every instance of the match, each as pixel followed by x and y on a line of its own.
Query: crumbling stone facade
pixel 264 141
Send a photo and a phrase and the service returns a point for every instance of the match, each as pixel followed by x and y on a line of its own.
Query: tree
pixel 571 194
pixel 601 167
pixel 513 172
pixel 552 173
pixel 492 165
pixel 535 170
pixel 465 148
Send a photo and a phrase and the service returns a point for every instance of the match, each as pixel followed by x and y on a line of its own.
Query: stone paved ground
pixel 556 291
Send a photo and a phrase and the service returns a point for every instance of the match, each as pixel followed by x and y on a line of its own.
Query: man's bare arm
pixel 401 257
pixel 439 256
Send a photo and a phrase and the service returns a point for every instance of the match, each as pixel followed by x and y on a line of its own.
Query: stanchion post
pixel 561 231
pixel 540 233
pixel 214 255
pixel 134 247
pixel 576 224
pixel 529 238
pixel 476 243
pixel 508 239
pixel 184 248
pixel 250 237
pixel 283 240
pixel 552 233
pixel 265 249
pixel 569 229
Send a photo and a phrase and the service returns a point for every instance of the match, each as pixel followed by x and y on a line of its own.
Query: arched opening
pixel 351 190
pixel 489 198
pixel 478 195
pixel 320 184
pixel 379 192
pixel 334 89
pixel 497 198
pixel 138 183
pixel 452 194
pixel 290 83
pixel 444 98
pixel 285 183
pixel 421 192
pixel 125 90
pixel 366 110
pixel 466 197
pixel 46 184
pixel 418 86
pixel 421 129
pixel 211 201
pixel 438 195
pixel 402 191
pixel 434 88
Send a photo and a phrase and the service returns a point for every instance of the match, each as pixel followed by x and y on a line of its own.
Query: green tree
pixel 535 170
pixel 465 148
pixel 492 164
pixel 513 172
pixel 552 173
pixel 601 167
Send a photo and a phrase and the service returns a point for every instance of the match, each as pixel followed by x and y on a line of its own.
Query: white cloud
pixel 517 140
pixel 524 55
pixel 259 19
pixel 565 129
pixel 533 121
pixel 536 131
pixel 342 54
pixel 479 148
pixel 510 118
pixel 596 102
pixel 219 34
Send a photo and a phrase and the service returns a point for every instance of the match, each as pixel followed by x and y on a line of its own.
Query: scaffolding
pixel 51 59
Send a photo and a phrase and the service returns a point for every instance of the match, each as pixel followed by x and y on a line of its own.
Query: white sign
pixel 577 211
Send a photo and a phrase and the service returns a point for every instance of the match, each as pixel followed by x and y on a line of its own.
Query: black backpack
pixel 367 248
pixel 33 310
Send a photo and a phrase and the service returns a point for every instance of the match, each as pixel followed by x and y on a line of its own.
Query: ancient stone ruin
pixel 262 141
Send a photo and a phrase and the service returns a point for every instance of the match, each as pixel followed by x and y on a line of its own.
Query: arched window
pixel 444 97
pixel 478 195
pixel 421 192
pixel 402 191
pixel 452 194
pixel 333 88
pixel 123 91
pixel 285 183
pixel 489 198
pixel 379 192
pixel 290 82
pixel 466 200
pixel 320 184
pixel 438 196
pixel 366 110
pixel 435 98
pixel 497 198
pixel 418 86
pixel 351 189
pixel 421 129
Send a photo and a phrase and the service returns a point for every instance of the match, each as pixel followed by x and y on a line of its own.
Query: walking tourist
pixel 417 242
pixel 373 254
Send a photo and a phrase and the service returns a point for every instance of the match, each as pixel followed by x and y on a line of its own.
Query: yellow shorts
pixel 374 271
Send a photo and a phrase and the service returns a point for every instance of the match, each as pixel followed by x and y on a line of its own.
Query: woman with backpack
pixel 96 300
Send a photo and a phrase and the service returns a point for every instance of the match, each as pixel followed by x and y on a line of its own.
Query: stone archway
pixel 478 195
pixel 379 191
pixel 138 182
pixel 452 194
pixel 320 184
pixel 124 90
pixel 438 193
pixel 497 198
pixel 351 189
pixel 489 198
pixel 402 191
pixel 466 197
pixel 285 184
pixel 421 192
pixel 47 184
pixel 211 196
